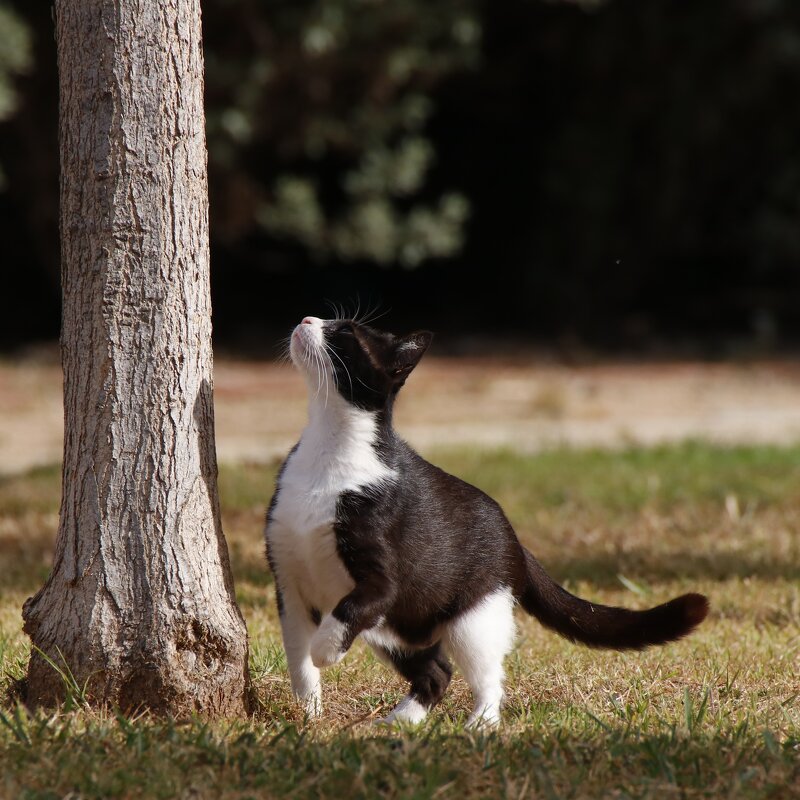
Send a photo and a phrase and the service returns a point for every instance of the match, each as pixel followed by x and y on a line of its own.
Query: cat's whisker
pixel 360 317
pixel 323 356
pixel 372 316
pixel 376 391
pixel 331 351
pixel 338 314
pixel 283 352
pixel 323 380
pixel 318 355
pixel 329 372
pixel 319 374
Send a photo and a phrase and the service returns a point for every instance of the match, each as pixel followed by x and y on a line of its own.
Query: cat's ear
pixel 407 353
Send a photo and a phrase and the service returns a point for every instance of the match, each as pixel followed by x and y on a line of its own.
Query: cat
pixel 366 538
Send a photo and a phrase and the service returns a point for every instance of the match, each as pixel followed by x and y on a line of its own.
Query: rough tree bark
pixel 140 601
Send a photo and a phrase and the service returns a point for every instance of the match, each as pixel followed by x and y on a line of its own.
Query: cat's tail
pixel 607 626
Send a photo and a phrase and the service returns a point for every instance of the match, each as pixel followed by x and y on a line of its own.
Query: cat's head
pixel 364 365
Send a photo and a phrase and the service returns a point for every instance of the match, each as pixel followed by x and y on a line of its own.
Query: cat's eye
pixel 346 328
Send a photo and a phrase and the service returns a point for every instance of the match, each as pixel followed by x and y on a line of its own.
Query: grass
pixel 713 716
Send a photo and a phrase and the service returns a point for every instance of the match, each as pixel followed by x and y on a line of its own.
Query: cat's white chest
pixel 336 454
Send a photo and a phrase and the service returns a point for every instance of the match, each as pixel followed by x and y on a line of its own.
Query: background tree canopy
pixel 622 173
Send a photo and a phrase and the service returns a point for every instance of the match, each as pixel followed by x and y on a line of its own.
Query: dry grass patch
pixel 713 716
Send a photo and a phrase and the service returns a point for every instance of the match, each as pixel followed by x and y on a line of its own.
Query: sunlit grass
pixel 715 715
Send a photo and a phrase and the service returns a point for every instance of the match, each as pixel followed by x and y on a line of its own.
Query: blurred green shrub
pixel 317 115
pixel 15 58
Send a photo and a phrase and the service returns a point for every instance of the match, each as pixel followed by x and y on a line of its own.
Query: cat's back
pixel 435 488
pixel 446 512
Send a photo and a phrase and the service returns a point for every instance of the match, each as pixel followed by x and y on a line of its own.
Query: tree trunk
pixel 140 603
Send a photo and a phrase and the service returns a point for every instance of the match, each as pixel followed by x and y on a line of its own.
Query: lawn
pixel 716 715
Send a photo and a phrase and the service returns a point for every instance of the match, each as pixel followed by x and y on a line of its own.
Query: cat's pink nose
pixel 308 321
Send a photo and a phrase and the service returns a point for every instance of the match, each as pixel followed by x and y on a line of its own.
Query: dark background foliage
pixel 621 175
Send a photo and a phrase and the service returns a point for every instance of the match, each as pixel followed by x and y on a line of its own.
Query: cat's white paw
pixel 327 644
pixel 485 719
pixel 311 705
pixel 408 711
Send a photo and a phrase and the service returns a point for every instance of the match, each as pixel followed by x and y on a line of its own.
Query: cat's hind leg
pixel 428 671
pixel 478 641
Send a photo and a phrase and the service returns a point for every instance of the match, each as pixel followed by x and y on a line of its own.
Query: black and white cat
pixel 366 538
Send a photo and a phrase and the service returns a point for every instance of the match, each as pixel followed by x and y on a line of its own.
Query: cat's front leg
pixel 356 612
pixel 298 631
pixel 328 645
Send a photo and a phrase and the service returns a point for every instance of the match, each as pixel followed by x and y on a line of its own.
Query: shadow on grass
pixel 59 756
pixel 26 557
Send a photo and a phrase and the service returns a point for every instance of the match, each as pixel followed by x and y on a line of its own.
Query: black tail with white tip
pixel 606 626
